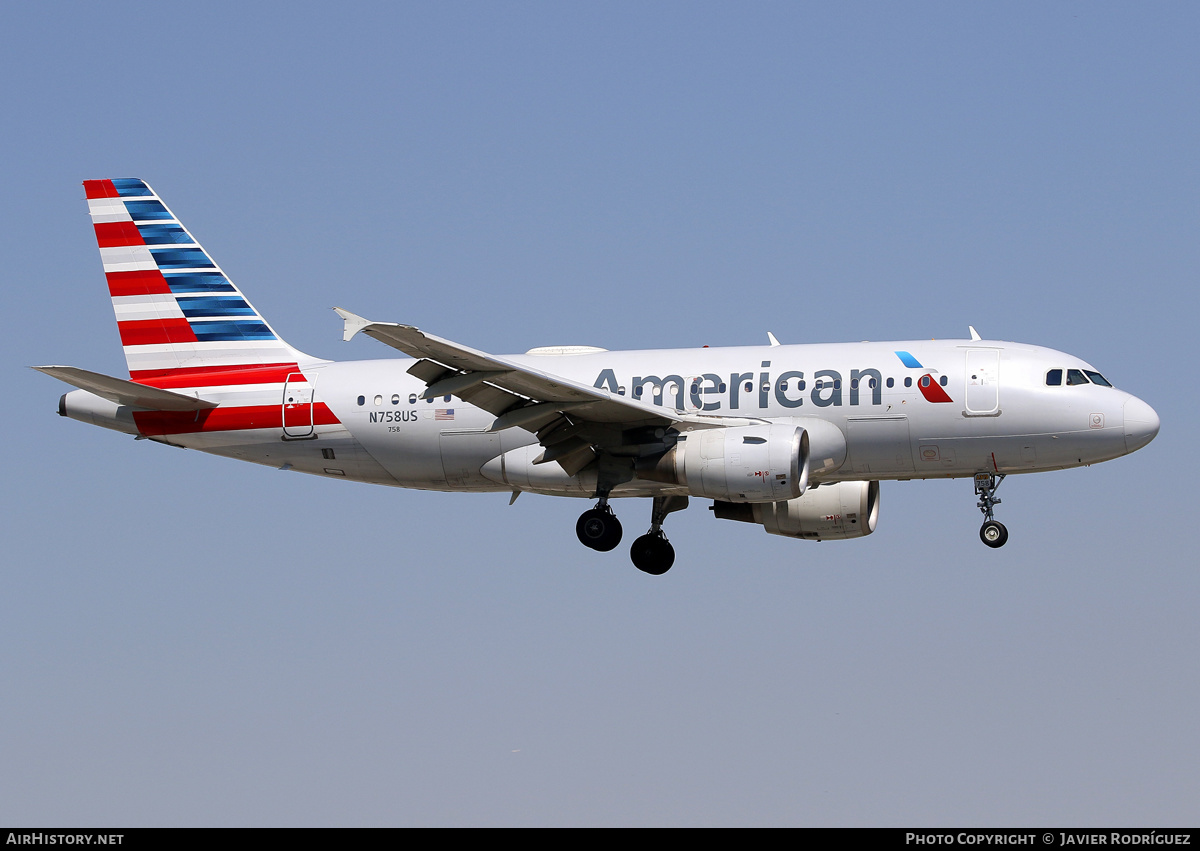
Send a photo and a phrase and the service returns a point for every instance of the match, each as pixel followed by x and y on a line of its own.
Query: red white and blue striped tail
pixel 182 321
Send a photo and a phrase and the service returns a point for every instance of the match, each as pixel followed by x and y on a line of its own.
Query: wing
pixel 576 423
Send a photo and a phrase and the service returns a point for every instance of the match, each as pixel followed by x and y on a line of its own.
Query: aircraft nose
pixel 1141 424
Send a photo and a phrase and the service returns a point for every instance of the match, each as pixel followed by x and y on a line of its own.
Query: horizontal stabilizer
pixel 125 392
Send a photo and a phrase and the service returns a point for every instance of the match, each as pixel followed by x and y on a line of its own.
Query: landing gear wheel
pixel 993 534
pixel 652 554
pixel 599 529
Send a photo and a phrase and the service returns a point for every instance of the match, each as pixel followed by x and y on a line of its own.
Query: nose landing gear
pixel 992 532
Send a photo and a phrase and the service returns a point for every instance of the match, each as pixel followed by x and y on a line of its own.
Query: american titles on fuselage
pixel 789 389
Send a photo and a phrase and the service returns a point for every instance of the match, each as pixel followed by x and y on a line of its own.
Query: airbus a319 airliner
pixel 795 438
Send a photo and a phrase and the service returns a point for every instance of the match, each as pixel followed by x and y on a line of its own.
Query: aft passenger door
pixel 298 407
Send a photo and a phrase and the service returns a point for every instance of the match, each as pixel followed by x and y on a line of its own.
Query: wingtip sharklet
pixel 354 323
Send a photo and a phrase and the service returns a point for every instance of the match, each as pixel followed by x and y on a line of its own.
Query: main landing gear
pixel 992 532
pixel 652 553
pixel 599 529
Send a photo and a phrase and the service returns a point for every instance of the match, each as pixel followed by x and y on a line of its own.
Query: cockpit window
pixel 1097 378
pixel 1054 378
pixel 1075 376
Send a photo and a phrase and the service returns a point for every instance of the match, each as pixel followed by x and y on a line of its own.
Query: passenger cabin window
pixel 908 381
pixel 1054 378
pixel 1076 376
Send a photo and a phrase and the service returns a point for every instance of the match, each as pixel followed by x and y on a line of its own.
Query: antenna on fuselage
pixel 974 333
pixel 771 337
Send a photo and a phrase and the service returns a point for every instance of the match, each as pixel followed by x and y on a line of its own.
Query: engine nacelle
pixel 831 512
pixel 826 445
pixel 763 463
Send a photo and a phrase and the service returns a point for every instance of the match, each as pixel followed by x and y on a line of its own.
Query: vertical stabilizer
pixel 179 315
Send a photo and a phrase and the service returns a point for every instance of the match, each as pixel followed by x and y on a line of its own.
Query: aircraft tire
pixel 598 529
pixel 652 554
pixel 993 534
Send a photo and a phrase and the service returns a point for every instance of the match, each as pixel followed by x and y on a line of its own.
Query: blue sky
pixel 188 640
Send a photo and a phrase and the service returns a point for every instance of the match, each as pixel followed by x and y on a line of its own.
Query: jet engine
pixel 830 512
pixel 739 464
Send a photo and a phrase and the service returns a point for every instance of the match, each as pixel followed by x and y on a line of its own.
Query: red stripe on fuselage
pixel 222 419
pixel 144 282
pixel 100 189
pixel 219 376
pixel 152 332
pixel 933 392
pixel 113 234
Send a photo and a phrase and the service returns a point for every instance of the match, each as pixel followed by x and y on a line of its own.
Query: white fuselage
pixel 985 407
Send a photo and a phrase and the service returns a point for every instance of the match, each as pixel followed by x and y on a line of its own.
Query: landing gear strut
pixel 992 532
pixel 598 527
pixel 652 553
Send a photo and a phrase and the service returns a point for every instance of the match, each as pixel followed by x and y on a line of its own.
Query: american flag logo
pixel 443 413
